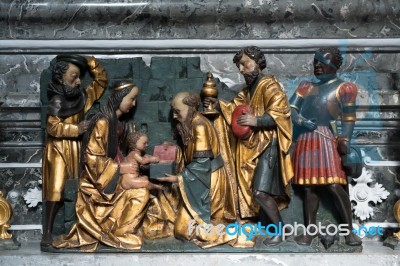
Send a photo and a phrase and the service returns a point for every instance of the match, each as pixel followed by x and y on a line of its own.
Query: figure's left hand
pixel 168 178
pixel 247 119
pixel 343 146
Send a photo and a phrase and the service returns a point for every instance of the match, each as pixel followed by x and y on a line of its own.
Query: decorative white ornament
pixel 362 193
pixel 33 196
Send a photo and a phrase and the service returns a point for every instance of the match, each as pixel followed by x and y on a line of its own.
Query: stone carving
pixel 33 197
pixel 67 105
pixel 322 158
pixel 263 165
pixel 362 193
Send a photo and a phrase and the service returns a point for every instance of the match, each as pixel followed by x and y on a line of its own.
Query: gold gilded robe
pixel 61 154
pixel 221 210
pixel 103 216
pixel 268 98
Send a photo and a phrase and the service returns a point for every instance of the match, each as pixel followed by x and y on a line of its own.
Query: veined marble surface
pixel 204 19
pixel 373 254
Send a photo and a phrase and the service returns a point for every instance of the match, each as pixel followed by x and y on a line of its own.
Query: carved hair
pixel 58 70
pixel 133 138
pixel 185 128
pixel 109 113
pixel 254 53
pixel 193 100
pixel 335 52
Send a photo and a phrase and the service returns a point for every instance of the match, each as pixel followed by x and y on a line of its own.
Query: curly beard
pixel 185 128
pixel 251 77
pixel 71 92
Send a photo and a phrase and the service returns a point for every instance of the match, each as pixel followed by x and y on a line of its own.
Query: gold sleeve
pixel 278 108
pixel 58 128
pixel 100 168
pixel 100 81
pixel 202 141
pixel 227 108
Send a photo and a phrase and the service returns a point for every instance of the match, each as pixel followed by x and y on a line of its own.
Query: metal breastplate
pixel 322 106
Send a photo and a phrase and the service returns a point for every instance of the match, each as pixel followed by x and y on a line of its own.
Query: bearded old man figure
pixel 203 181
pixel 68 103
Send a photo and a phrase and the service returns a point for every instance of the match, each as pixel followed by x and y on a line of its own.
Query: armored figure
pixel 321 157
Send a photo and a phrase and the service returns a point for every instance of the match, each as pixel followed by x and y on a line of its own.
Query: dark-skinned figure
pixel 321 156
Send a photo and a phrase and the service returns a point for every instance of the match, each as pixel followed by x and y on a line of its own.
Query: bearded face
pixel 185 131
pixel 71 92
pixel 184 115
pixel 250 77
pixel 249 69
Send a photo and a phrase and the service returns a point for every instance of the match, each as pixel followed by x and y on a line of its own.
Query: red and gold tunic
pixel 316 160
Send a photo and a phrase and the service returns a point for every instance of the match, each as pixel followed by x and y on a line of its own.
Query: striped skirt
pixel 316 160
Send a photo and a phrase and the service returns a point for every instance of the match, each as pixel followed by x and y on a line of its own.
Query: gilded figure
pixel 107 212
pixel 262 159
pixel 68 103
pixel 203 180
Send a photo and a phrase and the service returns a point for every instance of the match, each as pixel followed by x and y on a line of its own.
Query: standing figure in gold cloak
pixel 68 103
pixel 107 212
pixel 263 164
pixel 203 180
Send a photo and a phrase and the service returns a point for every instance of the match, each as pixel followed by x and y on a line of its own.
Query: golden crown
pixel 123 86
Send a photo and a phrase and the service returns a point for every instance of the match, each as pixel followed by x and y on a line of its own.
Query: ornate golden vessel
pixel 209 90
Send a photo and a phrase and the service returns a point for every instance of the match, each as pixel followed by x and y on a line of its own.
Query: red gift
pixel 241 132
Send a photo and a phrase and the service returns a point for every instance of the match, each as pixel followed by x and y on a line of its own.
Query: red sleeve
pixel 304 89
pixel 347 93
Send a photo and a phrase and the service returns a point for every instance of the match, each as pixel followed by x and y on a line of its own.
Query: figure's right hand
pixel 210 100
pixel 128 168
pixel 310 125
pixel 154 159
pixel 83 126
pixel 168 178
pixel 151 186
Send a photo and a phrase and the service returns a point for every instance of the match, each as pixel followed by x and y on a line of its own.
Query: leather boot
pixel 51 211
pixel 273 241
pixel 304 240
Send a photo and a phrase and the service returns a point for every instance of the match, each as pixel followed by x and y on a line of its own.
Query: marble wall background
pixel 204 19
pixel 377 71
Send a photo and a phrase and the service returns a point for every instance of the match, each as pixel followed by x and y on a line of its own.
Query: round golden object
pixel 396 211
pixel 5 210
pixel 209 87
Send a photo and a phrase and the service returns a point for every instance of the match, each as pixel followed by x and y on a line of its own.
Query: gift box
pixel 167 156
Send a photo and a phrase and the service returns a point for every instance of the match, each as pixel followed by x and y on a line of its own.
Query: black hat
pixel 77 60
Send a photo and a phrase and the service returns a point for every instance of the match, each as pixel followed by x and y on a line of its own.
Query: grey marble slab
pixel 157 19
